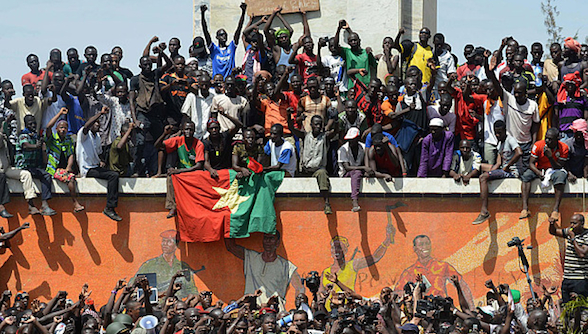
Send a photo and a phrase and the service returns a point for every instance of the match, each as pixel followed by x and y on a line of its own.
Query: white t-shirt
pixel 88 149
pixel 448 119
pixel 232 105
pixel 198 109
pixel 520 118
pixel 507 149
pixel 446 66
pixel 336 66
pixel 284 154
pixel 51 110
pixel 495 114
pixel 344 154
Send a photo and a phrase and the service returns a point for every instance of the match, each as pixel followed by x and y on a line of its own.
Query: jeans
pixel 355 175
pixel 46 180
pixel 111 188
pixel 152 129
pixel 4 192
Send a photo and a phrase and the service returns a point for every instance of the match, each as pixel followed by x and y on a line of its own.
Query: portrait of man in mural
pixel 438 273
pixel 167 265
pixel 346 268
pixel 267 271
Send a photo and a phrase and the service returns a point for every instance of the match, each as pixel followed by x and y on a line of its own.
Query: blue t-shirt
pixel 368 139
pixel 75 116
pixel 223 59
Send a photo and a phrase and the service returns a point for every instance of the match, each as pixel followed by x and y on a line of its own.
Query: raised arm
pixel 490 74
pixel 233 248
pixel 304 24
pixel 11 234
pixel 270 39
pixel 296 132
pixel 203 9
pixel 105 110
pixel 243 7
pixel 147 49
pixel 166 132
pixel 126 137
pixel 62 112
pixel 396 44
pixel 283 80
pixel 342 23
pixel 285 23
pixel 378 254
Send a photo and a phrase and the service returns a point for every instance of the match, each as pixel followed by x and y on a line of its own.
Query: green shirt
pixel 359 60
pixel 119 159
pixel 55 148
pixel 28 158
pixel 164 273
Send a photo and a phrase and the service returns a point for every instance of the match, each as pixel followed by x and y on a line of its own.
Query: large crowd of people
pixel 344 112
pixel 341 112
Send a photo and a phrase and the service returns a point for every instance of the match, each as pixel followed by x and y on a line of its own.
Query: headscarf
pixel 572 44
pixel 581 125
pixel 562 94
pixel 282 31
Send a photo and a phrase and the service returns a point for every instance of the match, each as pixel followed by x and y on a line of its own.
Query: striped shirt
pixel 575 267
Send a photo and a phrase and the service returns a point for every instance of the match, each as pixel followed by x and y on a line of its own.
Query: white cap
pixel 352 133
pixel 191 59
pixel 437 122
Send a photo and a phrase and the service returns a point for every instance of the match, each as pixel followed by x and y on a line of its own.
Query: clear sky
pixel 36 26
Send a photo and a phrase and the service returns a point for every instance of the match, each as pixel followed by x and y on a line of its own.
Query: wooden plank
pixel 266 7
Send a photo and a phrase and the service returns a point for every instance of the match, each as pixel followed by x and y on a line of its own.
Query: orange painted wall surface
pixel 64 251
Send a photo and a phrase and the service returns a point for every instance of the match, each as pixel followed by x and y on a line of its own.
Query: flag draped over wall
pixel 211 209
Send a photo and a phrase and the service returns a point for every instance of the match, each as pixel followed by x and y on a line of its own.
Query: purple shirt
pixel 436 155
pixel 571 110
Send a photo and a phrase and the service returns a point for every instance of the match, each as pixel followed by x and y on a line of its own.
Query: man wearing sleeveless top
pixel 280 42
pixel 572 62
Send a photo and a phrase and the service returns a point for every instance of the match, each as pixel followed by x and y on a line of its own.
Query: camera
pixel 370 313
pixel 515 241
pixel 313 281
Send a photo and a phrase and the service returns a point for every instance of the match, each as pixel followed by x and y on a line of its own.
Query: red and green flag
pixel 226 207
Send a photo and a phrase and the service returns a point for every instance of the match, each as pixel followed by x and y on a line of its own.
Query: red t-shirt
pixel 465 125
pixel 561 154
pixel 466 69
pixel 187 156
pixel 307 66
pixel 32 79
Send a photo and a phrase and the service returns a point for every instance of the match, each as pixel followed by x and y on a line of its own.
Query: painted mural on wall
pixel 385 245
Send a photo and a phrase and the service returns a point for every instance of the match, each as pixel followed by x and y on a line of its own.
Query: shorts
pixel 558 177
pixel 500 174
pixel 63 176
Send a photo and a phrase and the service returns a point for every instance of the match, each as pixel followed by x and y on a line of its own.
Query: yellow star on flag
pixel 229 197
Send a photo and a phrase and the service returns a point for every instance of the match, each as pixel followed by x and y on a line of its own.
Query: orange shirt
pixel 275 112
pixel 560 154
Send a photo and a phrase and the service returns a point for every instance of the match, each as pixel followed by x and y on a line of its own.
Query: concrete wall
pixel 373 20
pixel 67 250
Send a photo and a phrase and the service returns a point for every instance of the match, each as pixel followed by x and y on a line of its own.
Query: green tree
pixel 549 10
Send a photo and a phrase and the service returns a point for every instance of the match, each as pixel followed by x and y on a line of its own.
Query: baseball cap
pixel 199 45
pixel 352 133
pixel 436 122
pixel 410 328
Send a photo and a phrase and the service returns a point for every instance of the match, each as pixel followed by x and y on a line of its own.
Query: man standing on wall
pixel 575 274
pixel 267 271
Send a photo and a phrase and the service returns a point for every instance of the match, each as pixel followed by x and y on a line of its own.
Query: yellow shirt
pixel 346 276
pixel 420 58
pixel 21 109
